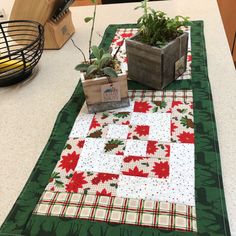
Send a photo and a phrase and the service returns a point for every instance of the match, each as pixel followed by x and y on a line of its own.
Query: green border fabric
pixel 210 201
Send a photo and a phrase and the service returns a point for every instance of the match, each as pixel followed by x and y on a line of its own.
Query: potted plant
pixel 105 86
pixel 157 54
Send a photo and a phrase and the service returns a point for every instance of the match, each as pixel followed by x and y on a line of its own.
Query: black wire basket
pixel 21 46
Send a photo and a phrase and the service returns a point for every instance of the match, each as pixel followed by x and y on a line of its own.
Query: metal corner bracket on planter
pixel 153 66
pixel 93 93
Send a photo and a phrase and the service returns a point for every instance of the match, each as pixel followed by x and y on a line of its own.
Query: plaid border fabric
pixel 169 96
pixel 162 215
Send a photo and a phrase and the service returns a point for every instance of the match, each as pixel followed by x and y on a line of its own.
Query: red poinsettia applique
pixel 161 169
pixel 151 147
pixel 142 130
pixel 135 172
pixel 77 181
pixel 167 150
pixel 132 158
pixel 186 137
pixel 103 177
pixel 69 162
pixel 80 144
pixel 94 123
pixel 172 127
pixel 103 193
pixel 176 103
pixel 142 106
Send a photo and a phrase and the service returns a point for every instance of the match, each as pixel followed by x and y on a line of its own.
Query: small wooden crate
pixel 92 91
pixel 155 67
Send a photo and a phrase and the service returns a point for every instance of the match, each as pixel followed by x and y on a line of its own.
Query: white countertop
pixel 29 110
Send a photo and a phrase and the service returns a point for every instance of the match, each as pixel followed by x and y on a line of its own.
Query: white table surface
pixel 28 111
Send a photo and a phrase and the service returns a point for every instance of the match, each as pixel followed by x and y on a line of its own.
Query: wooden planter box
pixel 155 67
pixel 93 93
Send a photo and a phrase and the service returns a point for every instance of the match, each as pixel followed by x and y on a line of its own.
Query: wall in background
pixel 228 14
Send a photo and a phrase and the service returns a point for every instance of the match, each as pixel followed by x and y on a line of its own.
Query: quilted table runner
pixel 152 168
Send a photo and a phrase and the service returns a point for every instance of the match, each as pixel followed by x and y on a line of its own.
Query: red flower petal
pixel 119 43
pixel 103 177
pixel 94 123
pixel 126 122
pixel 161 169
pixel 167 150
pixel 126 35
pixel 77 181
pixel 186 137
pixel 142 130
pixel 151 147
pixel 69 162
pixel 80 144
pixel 135 172
pixel 103 193
pixel 176 103
pixel 132 158
pixel 120 153
pixel 173 127
pixel 142 106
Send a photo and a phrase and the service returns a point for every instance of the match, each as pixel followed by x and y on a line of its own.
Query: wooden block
pixel 56 34
pixel 36 10
pixel 85 2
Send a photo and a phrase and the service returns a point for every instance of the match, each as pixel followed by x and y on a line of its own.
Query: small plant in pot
pixel 105 86
pixel 157 54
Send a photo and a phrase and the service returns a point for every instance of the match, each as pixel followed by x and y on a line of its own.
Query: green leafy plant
pixel 103 63
pixel 156 28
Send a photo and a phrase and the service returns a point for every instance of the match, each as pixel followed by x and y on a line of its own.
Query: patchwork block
pixel 135 148
pixel 141 157
pixel 81 126
pixel 145 167
pixel 117 131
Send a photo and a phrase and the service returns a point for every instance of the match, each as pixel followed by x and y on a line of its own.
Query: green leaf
pixel 96 52
pixel 110 72
pixel 55 175
pixel 104 60
pixel 87 19
pixel 59 184
pixel 91 69
pixel 101 52
pixel 122 114
pixel 93 1
pixel 82 67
